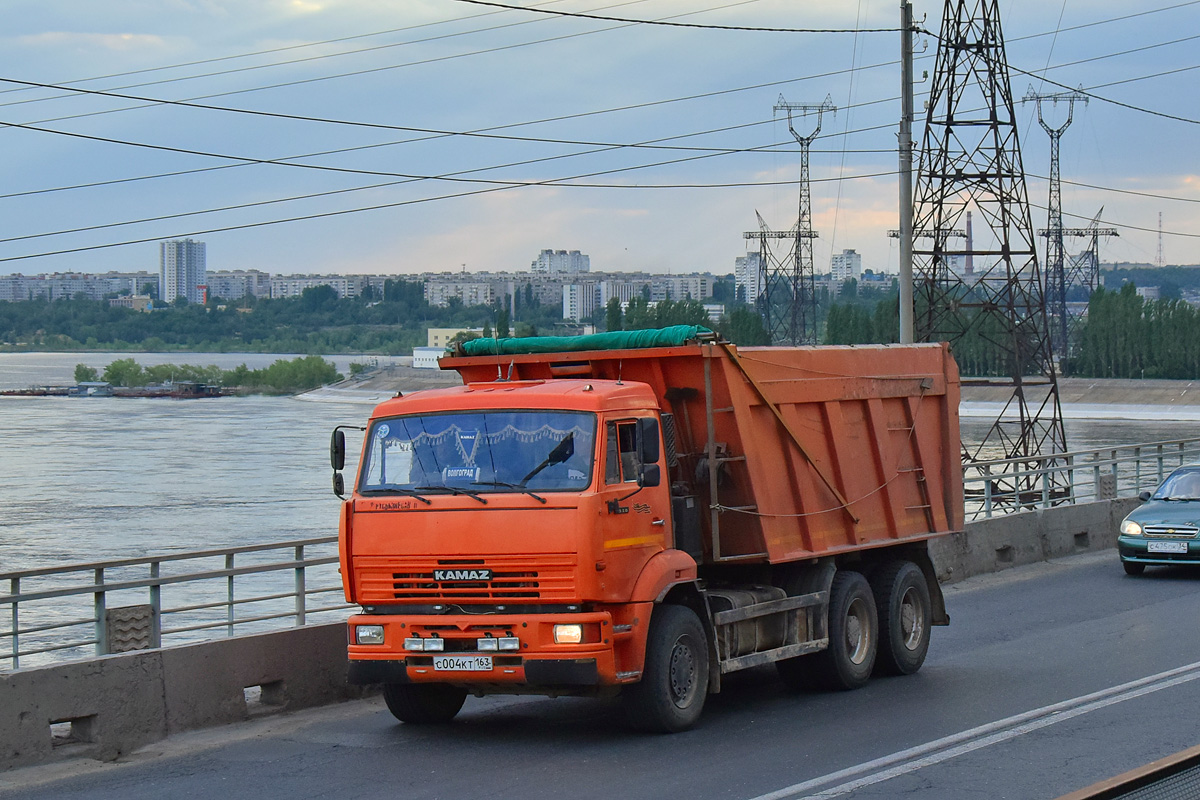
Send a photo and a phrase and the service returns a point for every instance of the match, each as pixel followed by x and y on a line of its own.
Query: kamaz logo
pixel 462 574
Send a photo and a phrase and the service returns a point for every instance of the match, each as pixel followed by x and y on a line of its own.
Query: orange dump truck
pixel 646 515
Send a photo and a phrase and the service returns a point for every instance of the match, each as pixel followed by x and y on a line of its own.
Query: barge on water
pixel 179 390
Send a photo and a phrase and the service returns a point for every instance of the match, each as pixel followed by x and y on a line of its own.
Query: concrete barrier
pixel 990 545
pixel 109 706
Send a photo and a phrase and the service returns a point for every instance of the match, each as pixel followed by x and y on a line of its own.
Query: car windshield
pixel 480 452
pixel 1184 485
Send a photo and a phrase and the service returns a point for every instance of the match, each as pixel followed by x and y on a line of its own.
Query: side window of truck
pixel 620 461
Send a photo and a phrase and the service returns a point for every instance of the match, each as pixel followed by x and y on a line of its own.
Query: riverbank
pixel 1082 398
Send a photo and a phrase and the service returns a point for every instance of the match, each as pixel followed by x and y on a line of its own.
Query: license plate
pixel 462 663
pixel 1167 547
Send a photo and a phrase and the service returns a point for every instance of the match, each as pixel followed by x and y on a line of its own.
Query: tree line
pixel 281 377
pixel 1123 336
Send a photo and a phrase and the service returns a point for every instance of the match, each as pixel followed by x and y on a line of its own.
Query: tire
pixel 674 684
pixel 905 617
pixel 853 635
pixel 423 703
pixel 1133 568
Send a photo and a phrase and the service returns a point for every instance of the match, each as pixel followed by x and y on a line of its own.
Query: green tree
pixel 612 315
pixel 744 326
pixel 84 373
pixel 125 372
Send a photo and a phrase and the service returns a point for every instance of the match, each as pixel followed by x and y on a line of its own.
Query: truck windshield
pixel 480 451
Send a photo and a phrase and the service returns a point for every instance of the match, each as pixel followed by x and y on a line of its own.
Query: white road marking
pixel 907 761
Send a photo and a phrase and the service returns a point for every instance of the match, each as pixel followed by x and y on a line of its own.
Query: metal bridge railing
pixel 1005 486
pixel 78 611
pixel 57 613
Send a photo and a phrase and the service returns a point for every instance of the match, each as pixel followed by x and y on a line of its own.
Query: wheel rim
pixel 682 673
pixel 859 631
pixel 912 619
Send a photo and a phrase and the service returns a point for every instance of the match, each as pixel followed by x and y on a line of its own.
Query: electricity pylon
pixel 788 284
pixel 1056 271
pixel 970 159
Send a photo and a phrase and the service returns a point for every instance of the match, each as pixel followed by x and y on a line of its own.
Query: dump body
pixel 816 450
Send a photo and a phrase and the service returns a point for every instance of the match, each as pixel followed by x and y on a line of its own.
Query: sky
pixel 406 136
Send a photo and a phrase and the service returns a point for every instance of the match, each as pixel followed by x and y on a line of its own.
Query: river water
pixel 85 480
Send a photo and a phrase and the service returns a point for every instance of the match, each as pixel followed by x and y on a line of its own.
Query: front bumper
pixel 539 664
pixel 1135 549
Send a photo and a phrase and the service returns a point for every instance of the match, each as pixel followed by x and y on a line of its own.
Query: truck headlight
pixel 487 644
pixel 430 645
pixel 509 643
pixel 568 634
pixel 1130 528
pixel 368 634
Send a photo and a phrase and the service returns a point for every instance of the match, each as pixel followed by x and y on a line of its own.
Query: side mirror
pixel 1143 496
pixel 650 475
pixel 648 448
pixel 337 449
pixel 339 485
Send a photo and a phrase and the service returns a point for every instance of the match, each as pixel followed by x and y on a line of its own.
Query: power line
pixel 382 206
pixel 368 71
pixel 1092 95
pixel 679 24
pixel 290 62
pixel 287 48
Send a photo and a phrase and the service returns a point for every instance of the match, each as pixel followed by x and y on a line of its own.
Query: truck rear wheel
pixel 674 684
pixel 905 617
pixel 853 635
pixel 423 703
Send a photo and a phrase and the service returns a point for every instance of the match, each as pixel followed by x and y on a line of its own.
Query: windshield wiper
pixel 398 490
pixel 506 485
pixel 452 490
pixel 561 452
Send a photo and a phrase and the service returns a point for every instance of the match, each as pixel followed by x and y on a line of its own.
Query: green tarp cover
pixel 616 340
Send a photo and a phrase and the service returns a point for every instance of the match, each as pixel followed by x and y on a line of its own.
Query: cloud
pixel 117 42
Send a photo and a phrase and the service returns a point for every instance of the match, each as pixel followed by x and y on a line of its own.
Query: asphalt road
pixel 1049 678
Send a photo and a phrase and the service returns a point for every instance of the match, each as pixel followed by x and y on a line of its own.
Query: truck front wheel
pixel 905 617
pixel 423 703
pixel 674 684
pixel 853 635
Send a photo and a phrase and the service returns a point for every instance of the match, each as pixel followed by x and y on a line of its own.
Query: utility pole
pixel 1056 272
pixel 906 168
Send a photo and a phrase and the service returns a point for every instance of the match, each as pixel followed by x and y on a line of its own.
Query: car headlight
pixel 368 634
pixel 568 634
pixel 1130 528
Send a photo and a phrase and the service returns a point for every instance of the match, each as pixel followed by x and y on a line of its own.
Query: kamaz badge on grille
pixel 462 574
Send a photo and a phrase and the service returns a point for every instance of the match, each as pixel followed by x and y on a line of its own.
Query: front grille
pixel 1175 531
pixel 519 578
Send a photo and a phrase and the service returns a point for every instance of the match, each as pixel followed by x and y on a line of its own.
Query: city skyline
pixel 430 72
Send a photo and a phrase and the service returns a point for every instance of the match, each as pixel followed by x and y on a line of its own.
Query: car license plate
pixel 1167 547
pixel 462 663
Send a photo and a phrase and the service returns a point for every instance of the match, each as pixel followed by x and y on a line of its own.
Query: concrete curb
pixel 108 706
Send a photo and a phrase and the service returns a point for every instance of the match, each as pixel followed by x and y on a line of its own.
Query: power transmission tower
pixel 1159 261
pixel 788 284
pixel 995 317
pixel 1056 272
pixel 1084 269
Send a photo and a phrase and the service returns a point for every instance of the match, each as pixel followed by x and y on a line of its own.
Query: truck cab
pixel 501 536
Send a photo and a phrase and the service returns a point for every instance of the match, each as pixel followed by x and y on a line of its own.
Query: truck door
pixel 634 522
